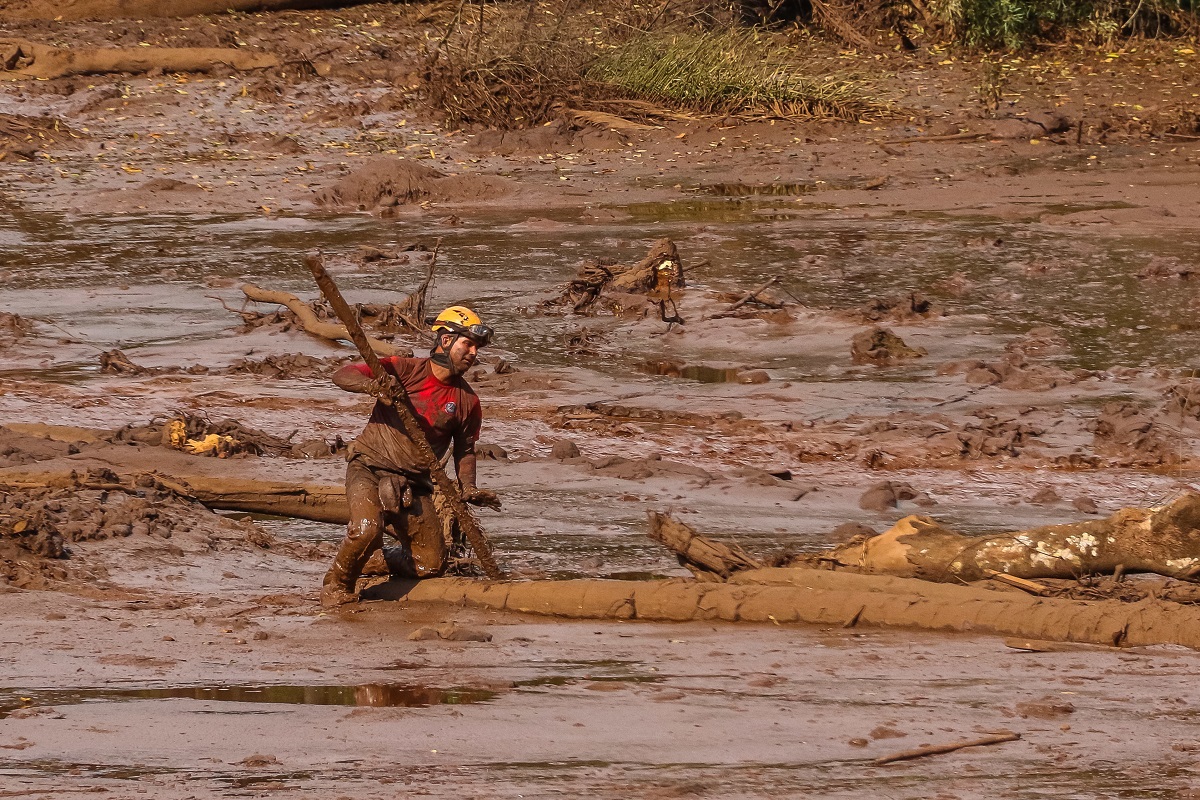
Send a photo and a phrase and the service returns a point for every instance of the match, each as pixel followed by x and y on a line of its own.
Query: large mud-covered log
pixel 24 59
pixel 129 9
pixel 220 484
pixel 783 596
pixel 1162 540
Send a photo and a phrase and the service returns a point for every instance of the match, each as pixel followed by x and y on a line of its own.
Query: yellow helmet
pixel 463 321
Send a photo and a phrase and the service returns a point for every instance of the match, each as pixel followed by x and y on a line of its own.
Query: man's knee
pixel 364 528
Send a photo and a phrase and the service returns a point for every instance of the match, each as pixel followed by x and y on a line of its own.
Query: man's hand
pixel 482 497
pixel 385 388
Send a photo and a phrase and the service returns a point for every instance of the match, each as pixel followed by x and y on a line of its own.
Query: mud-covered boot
pixel 334 596
pixel 337 589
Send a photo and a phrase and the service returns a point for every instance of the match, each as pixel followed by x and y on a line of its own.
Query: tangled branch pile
pixel 518 66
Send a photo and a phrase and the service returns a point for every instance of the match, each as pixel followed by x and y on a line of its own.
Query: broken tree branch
pixel 753 295
pixel 697 552
pixel 311 323
pixel 938 749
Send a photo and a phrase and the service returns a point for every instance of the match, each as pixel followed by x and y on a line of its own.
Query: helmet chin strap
pixel 441 357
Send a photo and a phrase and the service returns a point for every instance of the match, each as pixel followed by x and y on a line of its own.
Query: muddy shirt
pixel 448 412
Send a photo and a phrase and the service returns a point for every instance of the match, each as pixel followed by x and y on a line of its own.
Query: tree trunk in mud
pixel 315 502
pixel 821 597
pixel 23 59
pixel 1165 541
pixel 128 9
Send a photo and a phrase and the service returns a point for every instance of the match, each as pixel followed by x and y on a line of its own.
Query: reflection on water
pixel 370 694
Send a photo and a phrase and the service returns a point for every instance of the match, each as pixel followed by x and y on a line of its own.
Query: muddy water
pixel 149 284
pixel 141 280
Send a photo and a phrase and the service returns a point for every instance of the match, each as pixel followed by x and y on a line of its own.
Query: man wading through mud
pixel 385 480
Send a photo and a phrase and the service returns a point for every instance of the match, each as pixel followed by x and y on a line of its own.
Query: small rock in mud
pixel 258 760
pixel 563 449
pixel 453 632
pixel 886 495
pixel 1085 505
pixel 1045 496
pixel 902 308
pixel 425 634
pixel 449 632
pixel 491 452
pixel 1048 707
pixel 1160 268
pixel 881 347
pixel 884 732
pixel 858 742
pixel 384 182
pixel 1127 431
pixel 849 530
pixel 13 327
pixel 753 376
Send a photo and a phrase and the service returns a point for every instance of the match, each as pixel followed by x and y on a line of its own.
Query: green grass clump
pixel 1016 24
pixel 723 72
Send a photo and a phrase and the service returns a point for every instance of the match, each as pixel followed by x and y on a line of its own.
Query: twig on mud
pixel 753 295
pixel 948 137
pixel 437 51
pixel 246 316
pixel 1033 587
pixel 938 749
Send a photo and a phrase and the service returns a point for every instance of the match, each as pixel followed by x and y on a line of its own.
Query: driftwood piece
pixel 696 552
pixel 938 749
pixel 313 324
pixel 1162 540
pixel 24 59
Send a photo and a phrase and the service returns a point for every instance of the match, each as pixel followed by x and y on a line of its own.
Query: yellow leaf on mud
pixel 130 169
pixel 265 209
pixel 20 525
pixel 1186 51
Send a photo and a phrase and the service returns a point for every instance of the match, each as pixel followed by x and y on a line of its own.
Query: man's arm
pixel 357 378
pixel 465 464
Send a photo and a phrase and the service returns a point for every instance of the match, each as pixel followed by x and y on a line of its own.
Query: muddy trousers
pixel 421 549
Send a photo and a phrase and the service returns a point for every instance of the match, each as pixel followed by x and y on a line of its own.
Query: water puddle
pixel 369 694
pixel 759 189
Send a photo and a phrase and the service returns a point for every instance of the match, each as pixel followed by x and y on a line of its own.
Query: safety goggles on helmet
pixel 478 333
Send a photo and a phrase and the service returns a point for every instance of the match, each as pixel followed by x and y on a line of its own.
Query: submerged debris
pixel 881 347
pixel 655 277
pixel 39 524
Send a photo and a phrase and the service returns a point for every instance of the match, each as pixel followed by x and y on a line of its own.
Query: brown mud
pixel 1041 255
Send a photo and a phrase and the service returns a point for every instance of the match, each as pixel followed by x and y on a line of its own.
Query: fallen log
pixel 1164 541
pixel 219 484
pixel 823 598
pixel 24 59
pixel 312 323
pixel 117 9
